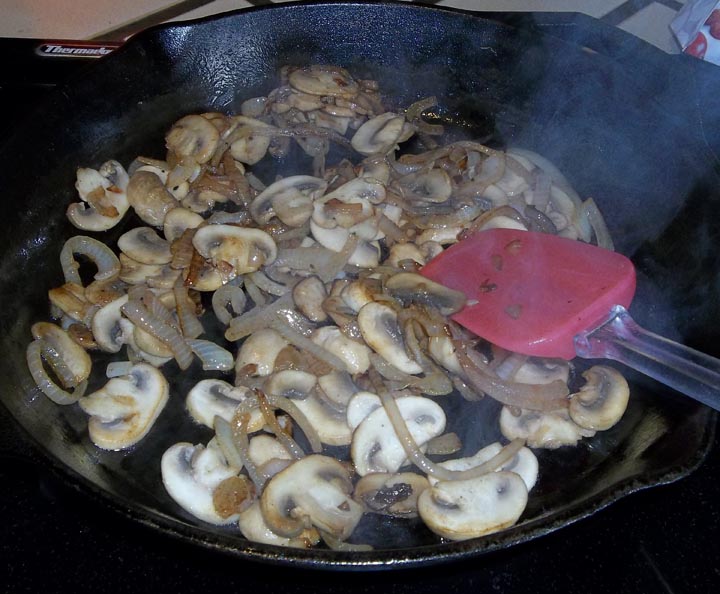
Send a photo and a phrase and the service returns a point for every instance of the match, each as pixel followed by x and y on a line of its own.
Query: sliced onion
pixel 228 295
pixel 42 379
pixel 597 222
pixel 257 318
pixel 189 323
pixel 271 420
pixel 101 255
pixel 305 344
pixel 212 356
pixel 532 396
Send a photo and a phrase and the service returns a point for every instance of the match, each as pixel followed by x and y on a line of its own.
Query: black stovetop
pixel 57 537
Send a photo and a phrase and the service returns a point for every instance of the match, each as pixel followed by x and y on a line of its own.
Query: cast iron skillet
pixel 609 127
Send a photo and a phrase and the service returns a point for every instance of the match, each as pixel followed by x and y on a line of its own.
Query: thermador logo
pixel 79 50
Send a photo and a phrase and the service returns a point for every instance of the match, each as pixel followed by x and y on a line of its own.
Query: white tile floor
pixel 83 19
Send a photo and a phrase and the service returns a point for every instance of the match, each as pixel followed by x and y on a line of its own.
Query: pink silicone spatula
pixel 543 295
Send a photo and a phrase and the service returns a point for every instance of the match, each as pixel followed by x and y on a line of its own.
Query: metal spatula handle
pixel 686 370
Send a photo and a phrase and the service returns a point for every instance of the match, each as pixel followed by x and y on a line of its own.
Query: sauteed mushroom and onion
pixel 324 361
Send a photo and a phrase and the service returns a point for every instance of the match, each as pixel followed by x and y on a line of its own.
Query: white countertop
pixel 115 19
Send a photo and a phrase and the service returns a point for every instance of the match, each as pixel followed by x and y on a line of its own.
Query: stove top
pixel 56 536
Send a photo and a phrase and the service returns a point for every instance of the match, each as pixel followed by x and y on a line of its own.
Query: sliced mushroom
pixel 459 510
pixel 379 135
pixel 550 430
pixel 320 79
pixel 410 287
pixel 253 527
pixel 178 220
pixel 360 406
pixel 379 327
pixel 338 387
pixel 308 296
pixel 391 494
pixel 355 354
pixel 149 197
pixel 290 199
pixel 426 186
pixel 213 397
pixel 242 248
pixel 602 401
pixel 250 139
pixel 314 490
pixel 144 245
pixel 104 193
pixel 125 409
pixel 193 137
pixel 542 371
pixel 290 383
pixel 330 425
pixel 375 445
pixel 191 473
pixel 404 252
pixel 264 448
pixel 442 349
pixel 260 349
pixel 133 272
pixel 524 463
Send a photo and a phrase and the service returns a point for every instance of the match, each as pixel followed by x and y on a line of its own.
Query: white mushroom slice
pixel 319 79
pixel 338 387
pixel 358 195
pixel 144 245
pixel 355 354
pixel 360 406
pixel 314 490
pixel 400 252
pixel 125 409
pixel 264 448
pixel 74 364
pixel 410 287
pixel 391 494
pixel 104 192
pixel 524 463
pixel 290 199
pixel 178 220
pixel 308 296
pixel 459 510
pixel 602 401
pixel 366 254
pixel 290 383
pixel 375 445
pixel 149 197
pixel 249 148
pixel 550 430
pixel 358 293
pixel 242 248
pixel 333 121
pixel 379 135
pixel 379 327
pixel 502 222
pixel 253 527
pixel 260 349
pixel 542 371
pixel 194 137
pixel 133 272
pixel 190 474
pixel 213 397
pixel 331 426
pixel 376 169
pixel 442 349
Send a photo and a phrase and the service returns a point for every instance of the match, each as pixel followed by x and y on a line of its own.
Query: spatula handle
pixel 686 370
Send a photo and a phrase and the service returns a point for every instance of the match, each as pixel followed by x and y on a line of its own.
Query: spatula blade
pixel 531 293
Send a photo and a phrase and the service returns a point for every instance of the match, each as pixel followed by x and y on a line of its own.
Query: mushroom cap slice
pixel 331 426
pixel 194 137
pixel 149 197
pixel 247 147
pixel 355 354
pixel 211 398
pixel 104 198
pixel 459 510
pixel 602 401
pixel 380 330
pixel 190 474
pixel 549 429
pixel 360 406
pixel 290 199
pixel 379 135
pixel 314 490
pixel 376 447
pixel 144 245
pixel 320 79
pixel 261 349
pixel 524 463
pixel 243 248
pixel 410 287
pixel 125 409
pixel 391 494
pixel 253 527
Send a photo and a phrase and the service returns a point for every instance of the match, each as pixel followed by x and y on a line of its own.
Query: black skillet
pixel 609 123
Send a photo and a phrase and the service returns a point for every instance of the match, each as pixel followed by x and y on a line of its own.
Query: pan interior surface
pixel 607 130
